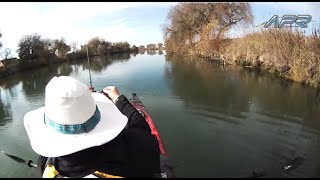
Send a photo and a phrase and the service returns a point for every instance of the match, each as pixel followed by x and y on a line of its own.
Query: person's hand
pixel 112 92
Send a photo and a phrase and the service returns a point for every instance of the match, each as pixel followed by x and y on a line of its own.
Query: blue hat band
pixel 75 128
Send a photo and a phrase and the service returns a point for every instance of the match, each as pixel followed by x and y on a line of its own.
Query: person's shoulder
pixel 138 135
pixel 135 132
pixel 134 137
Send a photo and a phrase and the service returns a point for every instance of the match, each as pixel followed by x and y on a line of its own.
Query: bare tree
pixel 187 22
pixel 48 44
pixel 0 42
pixel 61 46
pixel 104 47
pixel 6 53
pixel 74 46
pixel 94 44
pixel 142 47
pixel 120 47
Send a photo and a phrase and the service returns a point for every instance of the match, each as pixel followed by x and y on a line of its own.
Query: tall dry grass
pixel 288 52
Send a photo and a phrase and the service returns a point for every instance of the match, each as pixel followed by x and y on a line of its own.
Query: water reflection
pixel 134 53
pixel 197 82
pixel 236 89
pixel 151 52
pixel 5 112
pixel 35 82
pixel 10 87
pixel 267 119
pixel 211 119
pixel 100 63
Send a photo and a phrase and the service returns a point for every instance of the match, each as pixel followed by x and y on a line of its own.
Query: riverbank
pixel 285 52
pixel 14 65
pixel 288 53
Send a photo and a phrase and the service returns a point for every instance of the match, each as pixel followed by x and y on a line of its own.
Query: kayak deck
pixel 165 164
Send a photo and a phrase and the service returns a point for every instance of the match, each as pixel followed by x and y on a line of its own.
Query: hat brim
pixel 49 143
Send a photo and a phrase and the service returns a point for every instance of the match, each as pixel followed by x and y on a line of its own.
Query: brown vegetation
pixel 199 29
pixel 287 52
pixel 194 28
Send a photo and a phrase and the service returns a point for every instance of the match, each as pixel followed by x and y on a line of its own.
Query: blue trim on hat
pixel 76 128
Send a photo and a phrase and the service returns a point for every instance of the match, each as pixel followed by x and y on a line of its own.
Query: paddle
pixel 19 160
pixel 293 164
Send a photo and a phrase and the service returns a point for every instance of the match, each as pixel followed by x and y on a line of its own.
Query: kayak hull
pixel 165 164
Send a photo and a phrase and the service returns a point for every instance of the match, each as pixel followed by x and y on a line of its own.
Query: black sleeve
pixel 41 163
pixel 135 119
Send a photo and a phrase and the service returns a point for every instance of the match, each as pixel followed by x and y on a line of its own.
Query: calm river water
pixel 215 122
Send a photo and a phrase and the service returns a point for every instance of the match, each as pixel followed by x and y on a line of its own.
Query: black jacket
pixel 133 153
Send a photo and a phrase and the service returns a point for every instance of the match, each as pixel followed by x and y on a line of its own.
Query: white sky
pixel 138 23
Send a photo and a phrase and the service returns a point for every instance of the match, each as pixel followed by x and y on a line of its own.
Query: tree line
pixel 151 46
pixel 34 47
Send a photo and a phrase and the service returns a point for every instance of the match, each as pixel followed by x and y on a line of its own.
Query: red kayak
pixel 165 164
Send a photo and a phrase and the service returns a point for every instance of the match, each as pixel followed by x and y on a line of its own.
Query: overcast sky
pixel 138 23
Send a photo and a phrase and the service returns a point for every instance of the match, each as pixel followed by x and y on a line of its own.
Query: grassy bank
pixel 200 30
pixel 286 52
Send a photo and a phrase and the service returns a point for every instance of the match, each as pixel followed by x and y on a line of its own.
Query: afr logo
pixel 300 21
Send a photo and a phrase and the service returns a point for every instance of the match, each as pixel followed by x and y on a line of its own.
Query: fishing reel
pixel 91 88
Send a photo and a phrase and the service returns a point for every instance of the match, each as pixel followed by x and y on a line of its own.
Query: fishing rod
pixel 91 87
pixel 19 160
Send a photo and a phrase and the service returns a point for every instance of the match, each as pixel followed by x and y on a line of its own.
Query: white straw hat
pixel 73 119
